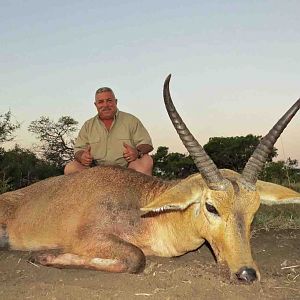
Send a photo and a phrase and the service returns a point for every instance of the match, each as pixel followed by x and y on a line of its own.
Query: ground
pixel 191 276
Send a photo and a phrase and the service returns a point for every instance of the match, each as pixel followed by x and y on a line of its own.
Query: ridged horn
pixel 258 159
pixel 204 163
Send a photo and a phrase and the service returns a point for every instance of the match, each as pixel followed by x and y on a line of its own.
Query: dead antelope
pixel 93 218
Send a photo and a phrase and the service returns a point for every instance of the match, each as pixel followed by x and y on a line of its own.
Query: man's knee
pixel 143 165
pixel 147 160
pixel 74 167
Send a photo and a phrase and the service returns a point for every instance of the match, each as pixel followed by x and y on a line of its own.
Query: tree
pixel 172 165
pixel 57 140
pixel 233 152
pixel 226 152
pixel 282 172
pixel 7 127
pixel 21 167
pixel 4 185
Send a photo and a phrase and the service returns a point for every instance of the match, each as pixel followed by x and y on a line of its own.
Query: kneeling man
pixel 112 137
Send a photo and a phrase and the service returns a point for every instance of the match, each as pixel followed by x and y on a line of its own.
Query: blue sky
pixel 235 64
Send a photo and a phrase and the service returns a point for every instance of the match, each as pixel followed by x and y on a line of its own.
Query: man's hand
pixel 86 156
pixel 129 153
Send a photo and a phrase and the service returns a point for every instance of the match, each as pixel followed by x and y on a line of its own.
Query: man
pixel 112 137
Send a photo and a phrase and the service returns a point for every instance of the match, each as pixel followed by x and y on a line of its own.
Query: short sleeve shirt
pixel 107 145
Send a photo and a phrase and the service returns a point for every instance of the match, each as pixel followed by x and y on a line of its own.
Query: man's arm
pixel 141 138
pixel 143 149
pixel 82 148
pixel 131 153
pixel 84 156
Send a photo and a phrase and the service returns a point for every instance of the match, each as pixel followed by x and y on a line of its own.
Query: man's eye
pixel 210 208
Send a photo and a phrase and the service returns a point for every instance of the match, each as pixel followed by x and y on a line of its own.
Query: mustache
pixel 105 109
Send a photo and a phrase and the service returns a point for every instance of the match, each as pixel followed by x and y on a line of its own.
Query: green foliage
pixel 233 152
pixel 7 127
pixel 4 185
pixel 56 139
pixel 21 167
pixel 226 152
pixel 172 165
pixel 282 172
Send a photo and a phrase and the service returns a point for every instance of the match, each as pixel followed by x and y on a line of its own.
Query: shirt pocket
pixel 98 148
pixel 121 139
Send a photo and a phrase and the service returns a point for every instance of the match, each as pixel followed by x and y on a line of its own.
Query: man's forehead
pixel 105 95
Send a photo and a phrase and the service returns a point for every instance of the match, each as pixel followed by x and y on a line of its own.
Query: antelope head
pixel 223 206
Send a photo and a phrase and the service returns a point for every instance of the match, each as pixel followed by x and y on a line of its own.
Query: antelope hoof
pixel 42 259
pixel 246 275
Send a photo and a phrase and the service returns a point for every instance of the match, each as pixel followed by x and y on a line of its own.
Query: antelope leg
pixel 116 256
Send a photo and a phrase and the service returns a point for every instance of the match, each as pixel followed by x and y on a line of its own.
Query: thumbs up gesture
pixel 129 153
pixel 86 157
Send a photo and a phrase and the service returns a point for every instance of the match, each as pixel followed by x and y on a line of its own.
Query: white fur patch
pixel 103 261
pixel 197 209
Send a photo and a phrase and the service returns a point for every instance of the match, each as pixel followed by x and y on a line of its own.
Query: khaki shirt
pixel 107 146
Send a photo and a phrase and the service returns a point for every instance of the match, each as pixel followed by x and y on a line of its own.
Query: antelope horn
pixel 204 163
pixel 258 159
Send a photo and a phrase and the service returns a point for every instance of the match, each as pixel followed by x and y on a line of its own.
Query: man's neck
pixel 107 123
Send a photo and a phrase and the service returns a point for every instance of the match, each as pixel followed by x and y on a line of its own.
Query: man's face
pixel 106 105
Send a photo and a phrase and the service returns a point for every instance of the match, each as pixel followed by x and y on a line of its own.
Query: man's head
pixel 106 103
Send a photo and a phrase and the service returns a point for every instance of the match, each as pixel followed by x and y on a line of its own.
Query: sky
pixel 235 65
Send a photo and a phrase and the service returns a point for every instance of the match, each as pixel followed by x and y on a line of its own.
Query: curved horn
pixel 204 163
pixel 257 161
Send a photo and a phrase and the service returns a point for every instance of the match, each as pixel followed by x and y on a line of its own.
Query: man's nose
pixel 104 103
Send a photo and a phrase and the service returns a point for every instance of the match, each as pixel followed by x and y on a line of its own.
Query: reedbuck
pixel 109 218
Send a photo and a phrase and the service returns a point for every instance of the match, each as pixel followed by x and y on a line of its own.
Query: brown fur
pixel 94 219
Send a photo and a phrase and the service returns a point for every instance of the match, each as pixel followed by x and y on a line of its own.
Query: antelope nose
pixel 246 274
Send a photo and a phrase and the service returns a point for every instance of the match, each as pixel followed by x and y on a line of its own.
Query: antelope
pixel 110 218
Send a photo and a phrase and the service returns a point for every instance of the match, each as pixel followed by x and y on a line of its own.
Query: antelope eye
pixel 210 208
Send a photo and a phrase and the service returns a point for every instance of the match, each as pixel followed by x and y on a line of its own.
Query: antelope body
pixel 110 218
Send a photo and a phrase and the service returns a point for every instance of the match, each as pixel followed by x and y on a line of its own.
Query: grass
pixel 296 186
pixel 277 217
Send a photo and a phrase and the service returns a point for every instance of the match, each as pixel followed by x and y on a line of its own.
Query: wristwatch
pixel 140 153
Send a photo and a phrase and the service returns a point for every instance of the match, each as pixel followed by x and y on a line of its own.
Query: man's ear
pixel 274 194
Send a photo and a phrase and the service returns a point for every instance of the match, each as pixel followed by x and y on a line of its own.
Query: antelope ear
pixel 178 197
pixel 274 194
